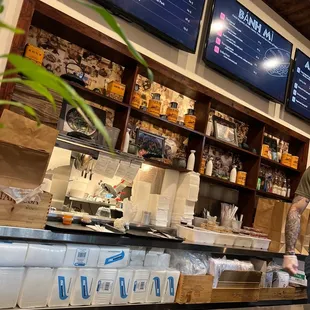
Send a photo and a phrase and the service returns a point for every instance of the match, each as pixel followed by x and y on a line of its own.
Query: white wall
pixel 9 16
pixel 191 65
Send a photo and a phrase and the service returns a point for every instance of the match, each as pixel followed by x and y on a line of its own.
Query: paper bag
pixel 25 150
pixel 263 216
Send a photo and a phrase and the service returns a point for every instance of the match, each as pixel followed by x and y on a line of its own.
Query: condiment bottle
pixel 154 105
pixel 288 193
pixel 209 168
pixel 190 119
pixel 233 174
pixel 191 161
pixel 136 98
pixel 284 188
pixel 172 112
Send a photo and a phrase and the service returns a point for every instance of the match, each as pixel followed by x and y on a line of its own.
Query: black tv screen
pixel 242 46
pixel 175 21
pixel 298 99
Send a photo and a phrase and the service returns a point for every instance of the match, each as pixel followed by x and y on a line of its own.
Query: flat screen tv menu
pixel 177 19
pixel 242 45
pixel 299 96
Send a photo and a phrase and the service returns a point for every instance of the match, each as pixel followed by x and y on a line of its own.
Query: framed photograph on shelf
pixel 225 131
pixel 150 145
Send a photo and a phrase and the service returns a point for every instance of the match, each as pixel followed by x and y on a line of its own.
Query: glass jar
pixel 154 105
pixel 190 119
pixel 172 112
pixel 136 98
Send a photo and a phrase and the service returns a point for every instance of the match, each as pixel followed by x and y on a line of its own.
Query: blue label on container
pixel 84 287
pixel 114 258
pixel 62 288
pixel 122 287
pixel 157 286
pixel 171 285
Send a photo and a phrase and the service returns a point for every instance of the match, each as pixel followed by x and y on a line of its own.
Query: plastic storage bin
pixel 13 254
pixel 225 239
pixel 79 255
pixel 45 255
pixel 260 243
pixel 63 283
pixel 36 287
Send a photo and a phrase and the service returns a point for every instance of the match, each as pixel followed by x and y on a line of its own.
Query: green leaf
pixel 27 109
pixel 8 27
pixel 37 87
pixel 116 28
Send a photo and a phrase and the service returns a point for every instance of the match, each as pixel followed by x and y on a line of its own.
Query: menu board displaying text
pixel 298 100
pixel 178 20
pixel 243 46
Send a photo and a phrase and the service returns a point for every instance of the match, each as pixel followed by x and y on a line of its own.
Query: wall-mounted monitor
pixel 298 98
pixel 243 47
pixel 174 21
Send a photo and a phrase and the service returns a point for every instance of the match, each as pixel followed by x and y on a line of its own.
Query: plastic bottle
pixel 126 142
pixel 288 192
pixel 233 174
pixel 191 160
pixel 284 188
pixel 209 168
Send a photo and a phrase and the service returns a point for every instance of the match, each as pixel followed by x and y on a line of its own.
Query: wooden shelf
pixel 159 164
pixel 275 164
pixel 226 183
pixel 229 147
pixel 96 97
pixel 174 127
pixel 273 196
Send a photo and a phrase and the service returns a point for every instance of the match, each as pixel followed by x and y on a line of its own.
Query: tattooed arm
pixel 292 227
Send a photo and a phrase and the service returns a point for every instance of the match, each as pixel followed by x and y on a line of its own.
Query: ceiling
pixel 295 12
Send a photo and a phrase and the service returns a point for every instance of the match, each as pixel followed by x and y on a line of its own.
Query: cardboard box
pixel 122 286
pixel 237 286
pixel 25 150
pixel 25 214
pixel 194 289
pixel 116 90
pixel 286 293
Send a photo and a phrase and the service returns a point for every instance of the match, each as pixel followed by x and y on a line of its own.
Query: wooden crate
pixel 25 214
pixel 300 293
pixel 234 295
pixel 286 293
pixel 194 289
pixel 237 286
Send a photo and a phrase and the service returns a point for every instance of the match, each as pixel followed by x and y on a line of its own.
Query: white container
pixel 138 287
pixel 10 285
pixel 151 260
pixel 122 286
pixel 79 255
pixel 84 287
pixel 36 287
pixel 104 286
pixel 137 256
pixel 156 286
pixel 63 283
pixel 187 178
pixel 189 192
pixel 126 142
pixel 233 175
pixel 198 235
pixel 243 241
pixel 45 255
pixel 209 168
pixel 225 239
pixel 113 257
pixel 158 202
pixel 13 254
pixel 191 160
pixel 172 280
pixel 260 243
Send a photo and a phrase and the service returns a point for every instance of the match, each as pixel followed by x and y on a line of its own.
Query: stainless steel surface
pixel 67 143
pixel 27 234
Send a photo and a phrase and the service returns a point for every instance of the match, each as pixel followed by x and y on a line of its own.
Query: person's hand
pixel 290 264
